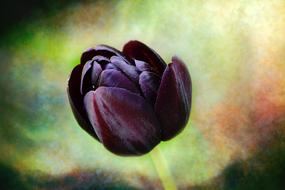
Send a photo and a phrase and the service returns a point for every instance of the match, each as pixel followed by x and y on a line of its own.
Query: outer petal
pixel 76 100
pixel 123 121
pixel 87 55
pixel 109 52
pixel 174 99
pixel 139 51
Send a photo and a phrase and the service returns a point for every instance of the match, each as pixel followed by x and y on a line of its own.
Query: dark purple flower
pixel 130 100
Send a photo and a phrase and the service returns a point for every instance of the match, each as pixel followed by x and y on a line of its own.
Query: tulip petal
pixel 123 121
pixel 109 52
pixel 104 51
pixel 89 77
pixel 96 71
pixel 100 59
pixel 76 101
pixel 115 78
pixel 85 84
pixel 129 70
pixel 110 66
pixel 174 99
pixel 87 55
pixel 140 51
pixel 149 83
pixel 142 66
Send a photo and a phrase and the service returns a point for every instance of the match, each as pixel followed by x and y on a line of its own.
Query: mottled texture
pixel 234 51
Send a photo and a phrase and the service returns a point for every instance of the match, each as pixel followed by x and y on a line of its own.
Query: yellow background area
pixel 234 50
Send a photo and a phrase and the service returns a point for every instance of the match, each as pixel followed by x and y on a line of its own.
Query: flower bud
pixel 130 100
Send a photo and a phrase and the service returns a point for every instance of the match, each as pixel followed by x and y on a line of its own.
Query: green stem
pixel 162 169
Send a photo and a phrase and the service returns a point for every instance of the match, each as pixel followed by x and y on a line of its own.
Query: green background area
pixel 234 51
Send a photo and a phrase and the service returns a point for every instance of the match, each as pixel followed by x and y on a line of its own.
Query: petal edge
pixel 76 101
pixel 173 102
pixel 138 50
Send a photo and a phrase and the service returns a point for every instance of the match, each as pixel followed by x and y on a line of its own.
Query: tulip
pixel 130 100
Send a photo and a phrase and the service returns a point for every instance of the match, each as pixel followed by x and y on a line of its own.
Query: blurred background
pixel 234 50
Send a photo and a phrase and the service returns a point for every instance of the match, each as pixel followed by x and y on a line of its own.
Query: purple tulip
pixel 130 100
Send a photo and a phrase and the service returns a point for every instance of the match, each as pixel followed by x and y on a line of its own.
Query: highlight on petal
pixel 142 66
pixel 89 77
pixel 123 121
pixel 137 50
pixel 96 71
pixel 100 58
pixel 173 102
pixel 76 101
pixel 149 83
pixel 115 78
pixel 110 66
pixel 129 70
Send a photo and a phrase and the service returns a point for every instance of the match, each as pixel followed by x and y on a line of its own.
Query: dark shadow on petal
pixel 76 100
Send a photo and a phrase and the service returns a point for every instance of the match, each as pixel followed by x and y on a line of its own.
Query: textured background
pixel 235 51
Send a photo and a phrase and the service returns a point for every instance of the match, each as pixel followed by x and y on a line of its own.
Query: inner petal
pixel 115 78
pixel 85 83
pixel 131 71
pixel 142 66
pixel 110 66
pixel 96 70
pixel 101 59
pixel 149 83
pixel 109 52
